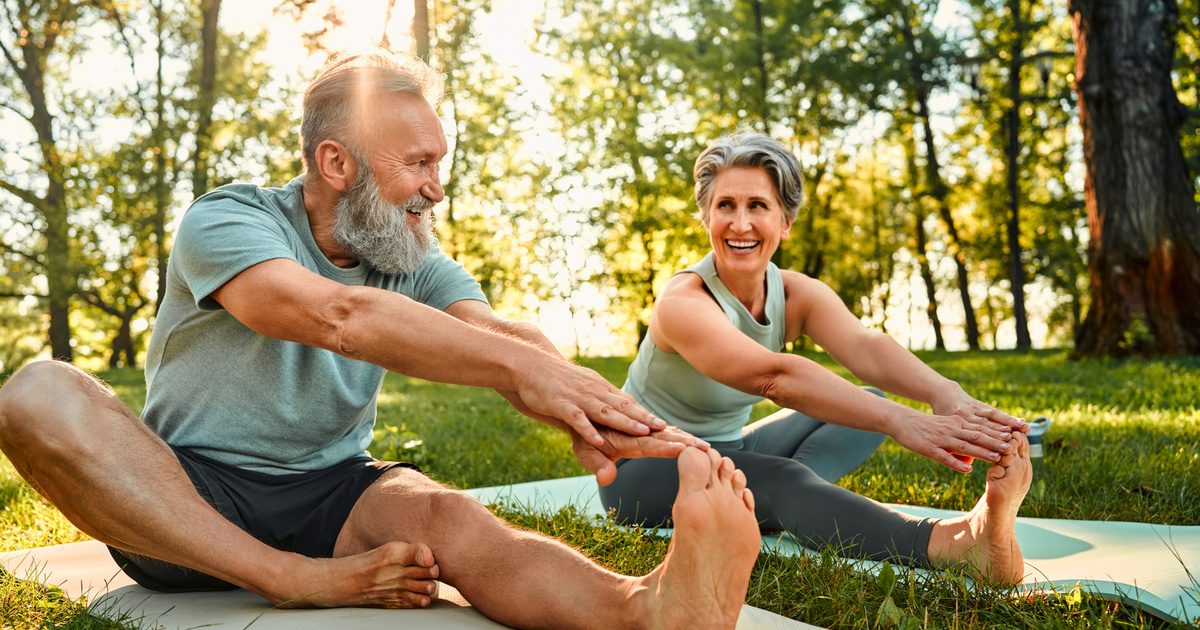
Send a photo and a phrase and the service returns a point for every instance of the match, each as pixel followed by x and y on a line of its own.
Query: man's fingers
pixel 578 421
pixel 607 415
pixel 626 405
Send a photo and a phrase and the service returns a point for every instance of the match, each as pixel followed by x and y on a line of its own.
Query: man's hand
pixel 598 459
pixel 669 442
pixel 582 399
pixel 947 438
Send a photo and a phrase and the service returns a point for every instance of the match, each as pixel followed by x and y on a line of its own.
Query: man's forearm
pixel 404 336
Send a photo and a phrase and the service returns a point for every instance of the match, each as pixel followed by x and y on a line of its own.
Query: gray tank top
pixel 669 386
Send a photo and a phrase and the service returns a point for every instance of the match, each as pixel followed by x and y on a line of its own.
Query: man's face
pixel 386 218
pixel 393 238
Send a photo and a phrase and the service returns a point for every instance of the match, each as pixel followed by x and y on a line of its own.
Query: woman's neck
pixel 748 288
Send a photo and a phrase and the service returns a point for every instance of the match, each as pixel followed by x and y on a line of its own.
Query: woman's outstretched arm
pixel 876 358
pixel 688 322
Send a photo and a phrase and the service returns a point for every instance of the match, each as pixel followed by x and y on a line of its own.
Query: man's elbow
pixel 335 320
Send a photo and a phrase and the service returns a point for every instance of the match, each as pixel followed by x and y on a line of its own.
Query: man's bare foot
pixel 395 575
pixel 985 538
pixel 702 582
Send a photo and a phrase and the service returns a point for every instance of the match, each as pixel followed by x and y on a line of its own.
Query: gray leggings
pixel 791 461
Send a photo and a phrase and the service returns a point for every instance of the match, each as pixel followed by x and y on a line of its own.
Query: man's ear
pixel 336 165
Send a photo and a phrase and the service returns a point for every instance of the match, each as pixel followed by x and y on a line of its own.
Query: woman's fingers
pixel 1003 419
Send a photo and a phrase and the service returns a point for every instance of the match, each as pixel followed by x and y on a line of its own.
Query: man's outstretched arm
pixel 281 299
pixel 669 442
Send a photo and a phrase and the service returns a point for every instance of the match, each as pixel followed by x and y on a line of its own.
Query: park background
pixel 1012 180
pixel 947 190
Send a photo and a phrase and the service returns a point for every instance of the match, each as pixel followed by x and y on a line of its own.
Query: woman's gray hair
pixel 349 83
pixel 749 150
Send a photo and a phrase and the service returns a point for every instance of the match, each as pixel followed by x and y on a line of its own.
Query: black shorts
pixel 302 512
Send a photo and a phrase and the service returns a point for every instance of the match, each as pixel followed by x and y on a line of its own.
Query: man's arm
pixel 669 442
pixel 281 299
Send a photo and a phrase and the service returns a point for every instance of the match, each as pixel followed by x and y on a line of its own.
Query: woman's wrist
pixel 946 395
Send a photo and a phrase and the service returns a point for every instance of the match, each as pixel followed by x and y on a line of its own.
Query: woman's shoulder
pixel 685 283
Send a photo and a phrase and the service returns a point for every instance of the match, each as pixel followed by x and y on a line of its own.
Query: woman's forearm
pixel 890 367
pixel 804 385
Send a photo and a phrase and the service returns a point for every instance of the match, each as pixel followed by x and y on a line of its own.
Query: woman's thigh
pixel 643 492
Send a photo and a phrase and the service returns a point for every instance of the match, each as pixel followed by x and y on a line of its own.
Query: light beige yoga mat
pixel 1154 567
pixel 85 568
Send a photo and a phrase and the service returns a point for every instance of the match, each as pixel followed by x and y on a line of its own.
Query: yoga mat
pixel 85 568
pixel 1153 567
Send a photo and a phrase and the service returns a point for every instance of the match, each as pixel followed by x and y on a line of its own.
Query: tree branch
pixel 13 109
pixel 23 254
pixel 91 296
pixel 24 195
pixel 115 14
pixel 18 295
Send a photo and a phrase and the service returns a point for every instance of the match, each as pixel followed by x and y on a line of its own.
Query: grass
pixel 1124 446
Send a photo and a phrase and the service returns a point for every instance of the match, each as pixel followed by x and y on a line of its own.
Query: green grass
pixel 1124 446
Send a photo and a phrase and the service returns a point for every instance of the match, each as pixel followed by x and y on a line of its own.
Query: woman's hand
pixel 953 440
pixel 956 402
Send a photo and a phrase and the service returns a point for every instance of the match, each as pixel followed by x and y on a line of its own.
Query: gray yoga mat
pixel 86 569
pixel 1154 567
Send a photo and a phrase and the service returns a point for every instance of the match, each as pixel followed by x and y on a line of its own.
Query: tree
pixel 29 45
pixel 1144 252
pixel 924 53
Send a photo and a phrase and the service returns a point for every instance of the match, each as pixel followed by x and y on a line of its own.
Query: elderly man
pixel 284 307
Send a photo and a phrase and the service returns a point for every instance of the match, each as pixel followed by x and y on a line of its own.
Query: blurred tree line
pixel 945 164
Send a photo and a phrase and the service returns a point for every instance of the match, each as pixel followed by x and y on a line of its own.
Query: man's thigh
pixel 301 513
pixel 405 505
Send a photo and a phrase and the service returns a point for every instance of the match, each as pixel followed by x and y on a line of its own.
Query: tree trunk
pixel 210 9
pixel 933 174
pixel 122 345
pixel 1016 271
pixel 1144 252
pixel 420 26
pixel 60 278
pixel 921 255
pixel 161 193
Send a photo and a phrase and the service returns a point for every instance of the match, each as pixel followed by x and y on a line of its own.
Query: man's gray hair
pixel 749 150
pixel 348 84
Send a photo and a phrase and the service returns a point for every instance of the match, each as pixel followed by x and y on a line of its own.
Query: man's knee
pixel 37 396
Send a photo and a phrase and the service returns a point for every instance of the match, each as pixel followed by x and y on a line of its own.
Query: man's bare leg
pixel 74 441
pixel 985 538
pixel 526 580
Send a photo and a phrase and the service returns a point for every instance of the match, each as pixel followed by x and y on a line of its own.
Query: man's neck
pixel 319 202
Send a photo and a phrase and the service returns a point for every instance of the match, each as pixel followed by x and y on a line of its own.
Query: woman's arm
pixel 876 358
pixel 688 322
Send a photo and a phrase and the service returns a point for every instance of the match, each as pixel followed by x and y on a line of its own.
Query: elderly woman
pixel 713 350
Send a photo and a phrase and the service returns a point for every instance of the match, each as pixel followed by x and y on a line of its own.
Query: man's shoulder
pixel 238 198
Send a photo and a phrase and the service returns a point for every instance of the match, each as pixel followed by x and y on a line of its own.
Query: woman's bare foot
pixel 985 538
pixel 395 575
pixel 702 582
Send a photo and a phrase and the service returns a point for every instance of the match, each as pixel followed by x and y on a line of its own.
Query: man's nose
pixel 432 189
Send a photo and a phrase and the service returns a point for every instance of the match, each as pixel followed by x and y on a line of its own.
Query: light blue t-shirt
pixel 666 384
pixel 233 395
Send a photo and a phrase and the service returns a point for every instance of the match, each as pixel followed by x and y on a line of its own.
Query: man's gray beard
pixel 375 231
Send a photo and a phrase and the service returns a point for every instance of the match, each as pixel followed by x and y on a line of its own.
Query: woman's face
pixel 745 220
